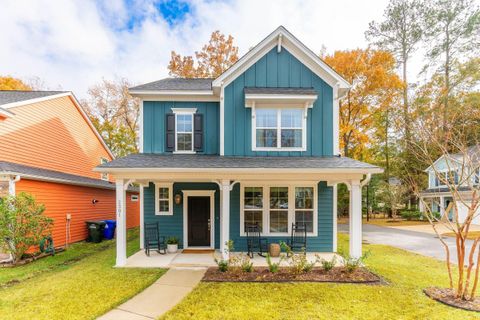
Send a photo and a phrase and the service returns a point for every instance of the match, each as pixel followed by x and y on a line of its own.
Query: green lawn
pixel 77 284
pixel 407 274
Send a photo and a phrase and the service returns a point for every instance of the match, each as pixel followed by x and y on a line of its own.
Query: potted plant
pixel 172 244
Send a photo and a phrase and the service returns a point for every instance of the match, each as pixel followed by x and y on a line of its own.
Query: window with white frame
pixel 278 129
pixel 276 207
pixel 163 199
pixel 304 206
pixel 184 131
pixel 103 175
pixel 253 206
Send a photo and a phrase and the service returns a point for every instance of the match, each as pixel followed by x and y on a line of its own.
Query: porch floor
pixel 170 260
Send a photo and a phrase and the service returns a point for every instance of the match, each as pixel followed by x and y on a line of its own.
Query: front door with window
pixel 199 221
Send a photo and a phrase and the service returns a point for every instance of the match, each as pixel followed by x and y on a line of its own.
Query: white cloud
pixel 73 44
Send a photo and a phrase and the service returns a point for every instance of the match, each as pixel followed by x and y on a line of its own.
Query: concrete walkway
pixel 423 243
pixel 160 297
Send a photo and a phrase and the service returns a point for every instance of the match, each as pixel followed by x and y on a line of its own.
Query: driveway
pixel 419 242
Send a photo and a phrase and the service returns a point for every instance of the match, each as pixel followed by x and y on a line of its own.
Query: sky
pixel 72 45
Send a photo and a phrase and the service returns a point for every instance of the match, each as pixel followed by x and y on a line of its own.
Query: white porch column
pixel 121 224
pixel 355 219
pixel 442 206
pixel 142 219
pixel 225 217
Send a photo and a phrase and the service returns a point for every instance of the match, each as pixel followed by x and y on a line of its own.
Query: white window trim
pixel 279 129
pixel 183 111
pixel 104 176
pixel 170 199
pixel 266 207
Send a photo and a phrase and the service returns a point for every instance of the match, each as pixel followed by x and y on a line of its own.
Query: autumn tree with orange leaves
pixel 214 58
pixel 11 83
pixel 370 105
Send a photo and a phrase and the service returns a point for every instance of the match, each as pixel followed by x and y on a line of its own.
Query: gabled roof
pixel 175 84
pixel 14 98
pixel 472 153
pixel 11 96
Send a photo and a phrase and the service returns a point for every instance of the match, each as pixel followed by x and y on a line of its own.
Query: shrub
pixel 172 240
pixel 22 224
pixel 298 262
pixel 240 262
pixel 273 266
pixel 351 263
pixel 247 266
pixel 328 265
pixel 222 264
pixel 411 214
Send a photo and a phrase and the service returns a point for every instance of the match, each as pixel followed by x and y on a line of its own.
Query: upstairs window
pixel 184 131
pixel 279 129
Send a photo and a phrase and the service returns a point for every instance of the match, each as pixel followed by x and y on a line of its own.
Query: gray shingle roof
pixel 10 96
pixel 220 162
pixel 33 172
pixel 299 91
pixel 445 189
pixel 176 84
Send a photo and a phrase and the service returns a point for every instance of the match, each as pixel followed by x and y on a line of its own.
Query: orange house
pixel 48 148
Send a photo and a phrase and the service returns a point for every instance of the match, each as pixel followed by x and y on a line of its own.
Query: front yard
pixel 402 298
pixel 77 284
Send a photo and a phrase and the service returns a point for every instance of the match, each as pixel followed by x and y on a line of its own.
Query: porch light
pixel 178 199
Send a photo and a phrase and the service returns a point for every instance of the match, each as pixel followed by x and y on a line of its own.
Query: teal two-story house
pixel 258 144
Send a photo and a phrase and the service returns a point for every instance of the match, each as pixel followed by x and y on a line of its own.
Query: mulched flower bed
pixel 447 296
pixel 261 274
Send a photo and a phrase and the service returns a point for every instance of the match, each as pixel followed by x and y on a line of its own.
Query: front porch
pixel 179 259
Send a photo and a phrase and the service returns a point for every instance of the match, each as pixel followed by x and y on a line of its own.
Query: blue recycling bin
pixel 109 230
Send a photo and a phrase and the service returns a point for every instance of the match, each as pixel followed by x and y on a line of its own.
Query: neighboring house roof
pixel 10 168
pixel 15 98
pixel 175 84
pixel 5 113
pixel 472 153
pixel 178 161
pixel 295 91
pixel 444 190
pixel 12 96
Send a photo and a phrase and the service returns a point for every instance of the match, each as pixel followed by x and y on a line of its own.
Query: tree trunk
pixel 447 79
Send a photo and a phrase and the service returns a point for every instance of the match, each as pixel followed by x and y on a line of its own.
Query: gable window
pixel 184 131
pixel 103 175
pixel 279 129
pixel 163 199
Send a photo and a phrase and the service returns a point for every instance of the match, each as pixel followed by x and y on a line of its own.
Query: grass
pixel 407 273
pixel 387 222
pixel 80 283
pixel 472 235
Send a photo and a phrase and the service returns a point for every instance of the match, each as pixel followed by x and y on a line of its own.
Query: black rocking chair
pixel 255 243
pixel 153 240
pixel 298 239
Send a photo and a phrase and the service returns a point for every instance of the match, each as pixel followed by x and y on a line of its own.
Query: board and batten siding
pixel 62 199
pixel 172 225
pixel 154 112
pixel 54 135
pixel 278 70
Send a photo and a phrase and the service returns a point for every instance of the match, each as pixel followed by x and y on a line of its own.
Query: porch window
pixel 278 209
pixel 279 129
pixel 304 206
pixel 163 199
pixel 253 206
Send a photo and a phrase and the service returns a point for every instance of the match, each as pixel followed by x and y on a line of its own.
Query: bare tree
pixel 460 174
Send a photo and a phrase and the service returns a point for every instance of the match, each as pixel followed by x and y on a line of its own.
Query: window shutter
pixel 170 132
pixel 198 132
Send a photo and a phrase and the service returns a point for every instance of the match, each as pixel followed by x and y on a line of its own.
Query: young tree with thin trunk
pixel 453 35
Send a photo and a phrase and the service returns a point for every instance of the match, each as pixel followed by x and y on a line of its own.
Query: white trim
pixel 335 209
pixel 184 111
pixel 266 206
pixel 142 219
pixel 281 100
pixel 222 120
pixel 198 193
pixel 172 92
pixel 279 128
pixel 336 121
pixel 5 113
pixel 140 128
pixel 294 46
pixel 121 234
pixel 35 100
pixel 170 199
